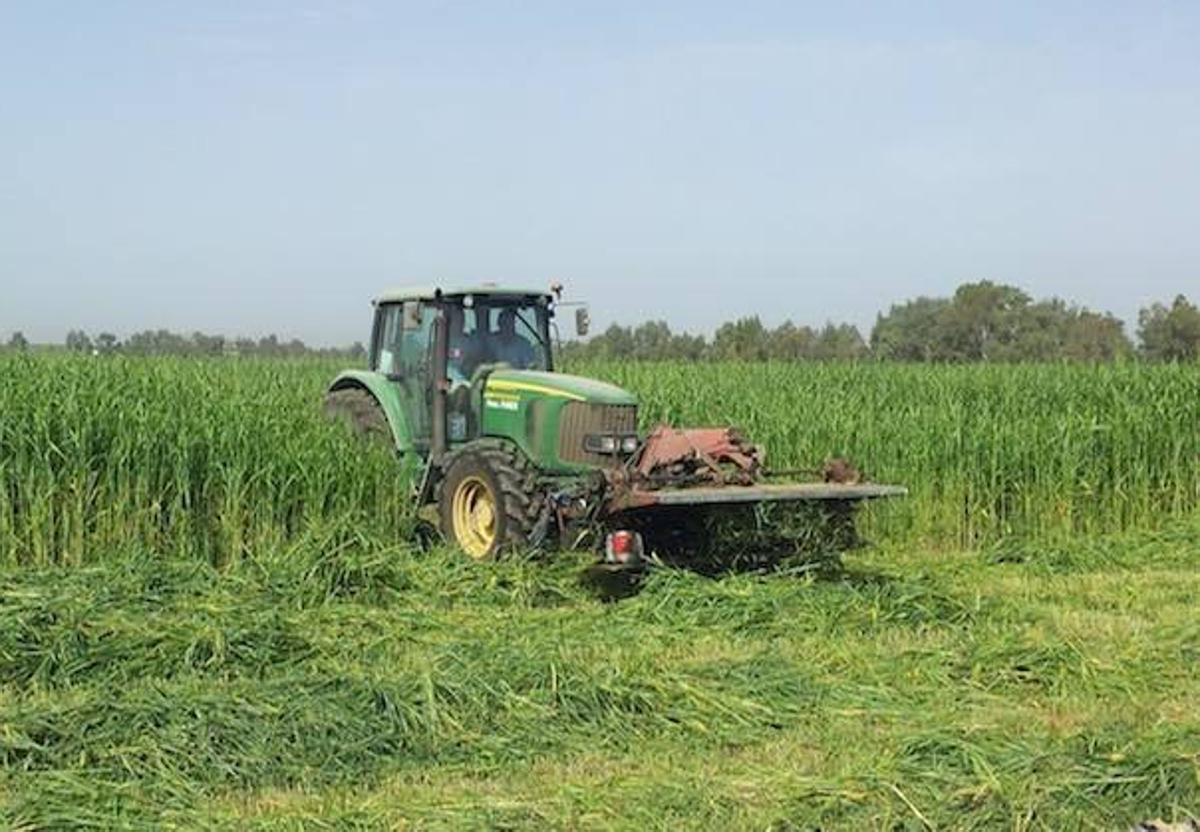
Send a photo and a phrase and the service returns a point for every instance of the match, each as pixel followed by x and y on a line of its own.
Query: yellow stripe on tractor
pixel 524 386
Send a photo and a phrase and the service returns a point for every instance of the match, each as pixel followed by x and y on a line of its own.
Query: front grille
pixel 581 418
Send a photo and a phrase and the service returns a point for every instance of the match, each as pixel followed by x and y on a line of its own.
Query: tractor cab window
pixel 462 350
pixel 488 331
pixel 493 331
pixel 513 333
pixel 405 333
pixel 402 349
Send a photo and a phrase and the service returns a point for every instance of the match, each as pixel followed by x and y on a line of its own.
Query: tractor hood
pixel 536 383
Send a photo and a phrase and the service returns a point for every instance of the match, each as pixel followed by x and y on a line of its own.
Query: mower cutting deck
pixel 768 493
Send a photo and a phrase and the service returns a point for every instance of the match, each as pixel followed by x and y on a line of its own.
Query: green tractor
pixel 516 455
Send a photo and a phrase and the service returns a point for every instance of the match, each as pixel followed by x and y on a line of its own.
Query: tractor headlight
pixel 600 443
pixel 606 443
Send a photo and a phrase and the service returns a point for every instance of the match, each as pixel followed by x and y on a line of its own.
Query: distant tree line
pixel 980 322
pixel 164 342
pixel 745 339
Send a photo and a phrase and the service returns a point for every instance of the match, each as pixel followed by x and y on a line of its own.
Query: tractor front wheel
pixel 489 500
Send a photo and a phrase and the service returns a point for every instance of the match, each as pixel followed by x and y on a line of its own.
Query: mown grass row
pixel 302 688
pixel 987 451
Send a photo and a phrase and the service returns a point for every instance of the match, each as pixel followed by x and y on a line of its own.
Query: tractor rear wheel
pixel 358 410
pixel 489 502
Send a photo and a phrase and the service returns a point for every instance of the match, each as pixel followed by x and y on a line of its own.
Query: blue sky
pixel 246 167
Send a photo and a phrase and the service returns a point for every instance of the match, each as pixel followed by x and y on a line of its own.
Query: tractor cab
pixel 496 330
pixel 450 365
pixel 442 344
pixel 482 328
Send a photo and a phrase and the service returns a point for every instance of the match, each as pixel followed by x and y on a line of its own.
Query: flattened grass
pixel 911 690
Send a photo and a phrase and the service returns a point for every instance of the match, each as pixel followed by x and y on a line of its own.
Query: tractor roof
pixel 431 291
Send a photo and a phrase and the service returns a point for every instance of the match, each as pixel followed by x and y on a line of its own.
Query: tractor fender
pixel 388 397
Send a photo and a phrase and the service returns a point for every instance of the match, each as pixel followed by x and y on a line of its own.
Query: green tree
pixel 1170 334
pixel 839 342
pixel 615 342
pixel 207 344
pixel 789 342
pixel 981 323
pixel 909 331
pixel 992 322
pixel 1037 333
pixel 78 341
pixel 1091 336
pixel 687 347
pixel 651 341
pixel 745 339
pixel 18 342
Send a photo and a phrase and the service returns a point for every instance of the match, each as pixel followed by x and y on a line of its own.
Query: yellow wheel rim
pixel 473 510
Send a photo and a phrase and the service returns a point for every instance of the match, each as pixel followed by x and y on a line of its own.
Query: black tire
pixel 358 410
pixel 513 483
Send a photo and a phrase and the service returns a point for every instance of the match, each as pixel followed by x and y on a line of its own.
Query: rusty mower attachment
pixel 684 483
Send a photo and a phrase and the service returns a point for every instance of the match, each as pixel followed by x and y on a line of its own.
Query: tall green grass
pixel 215 458
pixel 986 451
pixel 209 459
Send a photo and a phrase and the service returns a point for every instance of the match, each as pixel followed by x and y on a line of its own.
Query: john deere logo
pixel 497 400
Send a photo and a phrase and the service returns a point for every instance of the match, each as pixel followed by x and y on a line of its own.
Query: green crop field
pixel 212 615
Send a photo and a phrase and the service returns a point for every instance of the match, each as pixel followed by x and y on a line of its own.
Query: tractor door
pixel 405 356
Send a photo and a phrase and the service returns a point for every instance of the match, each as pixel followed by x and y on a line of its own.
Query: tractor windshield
pixel 513 331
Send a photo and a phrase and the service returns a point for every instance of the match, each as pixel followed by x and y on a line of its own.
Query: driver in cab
pixel 509 347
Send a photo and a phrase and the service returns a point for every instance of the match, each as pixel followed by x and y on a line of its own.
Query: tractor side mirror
pixel 583 321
